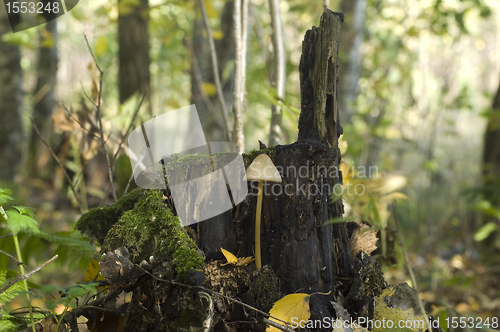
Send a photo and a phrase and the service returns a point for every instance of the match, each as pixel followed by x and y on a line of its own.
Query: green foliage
pixel 5 196
pixel 21 38
pixel 18 223
pixel 21 222
pixel 9 294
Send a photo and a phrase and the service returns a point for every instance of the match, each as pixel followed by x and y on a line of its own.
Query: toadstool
pixel 261 169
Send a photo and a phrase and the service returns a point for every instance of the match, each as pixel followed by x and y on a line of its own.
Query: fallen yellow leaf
pixel 292 306
pixel 242 261
pixel 231 259
pixel 237 261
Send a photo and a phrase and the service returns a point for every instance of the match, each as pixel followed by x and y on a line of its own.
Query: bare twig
pixel 278 326
pixel 198 78
pixel 214 293
pixel 27 275
pixel 70 114
pixel 128 129
pixel 240 35
pixel 215 68
pixel 66 175
pixel 86 95
pixel 12 257
pixel 408 266
pixel 5 235
pixel 279 71
pixel 99 117
pixel 120 144
pixel 129 182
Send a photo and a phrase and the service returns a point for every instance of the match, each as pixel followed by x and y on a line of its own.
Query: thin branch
pixel 240 36
pixel 5 235
pixel 110 187
pixel 278 326
pixel 78 177
pixel 215 68
pixel 66 175
pixel 408 266
pixel 198 78
pixel 128 183
pixel 12 257
pixel 279 71
pixel 128 129
pixel 214 293
pixel 27 275
pixel 79 122
pixel 99 117
pixel 86 95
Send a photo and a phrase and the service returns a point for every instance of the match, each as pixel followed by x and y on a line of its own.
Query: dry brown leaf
pixel 365 239
pixel 61 121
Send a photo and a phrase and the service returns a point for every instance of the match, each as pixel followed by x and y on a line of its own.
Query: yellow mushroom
pixel 261 169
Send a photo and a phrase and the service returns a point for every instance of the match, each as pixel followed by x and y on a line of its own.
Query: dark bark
pixel 133 38
pixel 491 167
pixel 305 254
pixel 201 69
pixel 44 102
pixel 10 105
pixel 491 152
pixel 319 119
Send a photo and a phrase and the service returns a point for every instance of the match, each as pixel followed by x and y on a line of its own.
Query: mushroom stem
pixel 258 213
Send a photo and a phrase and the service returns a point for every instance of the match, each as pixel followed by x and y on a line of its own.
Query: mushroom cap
pixel 263 169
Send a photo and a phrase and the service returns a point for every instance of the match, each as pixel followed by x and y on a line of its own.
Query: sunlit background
pixel 428 74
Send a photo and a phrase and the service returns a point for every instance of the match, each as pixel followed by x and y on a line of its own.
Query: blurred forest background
pixel 419 97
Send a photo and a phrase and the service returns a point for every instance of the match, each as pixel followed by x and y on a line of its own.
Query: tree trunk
pixel 10 105
pixel 133 38
pixel 44 102
pixel 304 254
pixel 351 38
pixel 491 166
pixel 208 106
pixel 279 72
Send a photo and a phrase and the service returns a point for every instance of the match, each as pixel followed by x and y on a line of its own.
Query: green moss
pixel 150 228
pixel 97 222
pixel 250 156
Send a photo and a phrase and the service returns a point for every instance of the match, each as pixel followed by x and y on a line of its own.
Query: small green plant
pixel 21 220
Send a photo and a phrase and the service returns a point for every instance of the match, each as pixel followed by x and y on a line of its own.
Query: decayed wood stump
pixel 305 254
pixel 300 252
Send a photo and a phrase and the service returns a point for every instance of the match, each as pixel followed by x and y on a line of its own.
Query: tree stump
pixel 305 254
pixel 301 252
